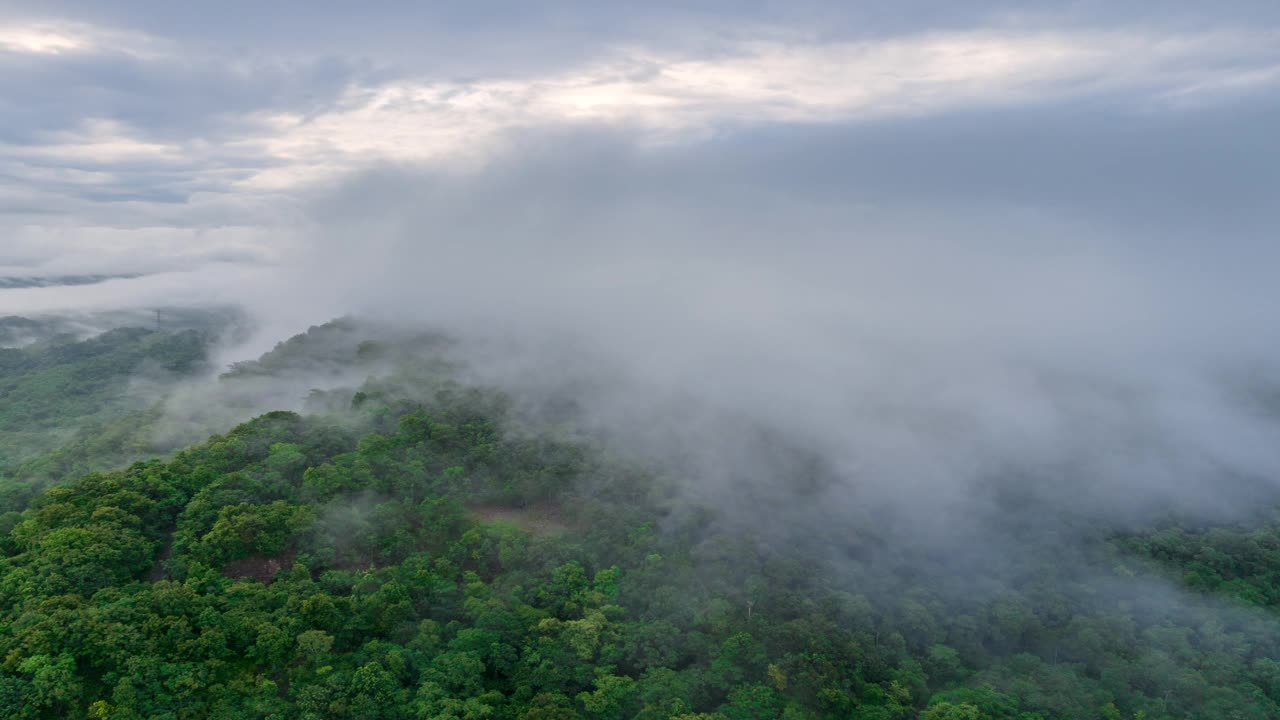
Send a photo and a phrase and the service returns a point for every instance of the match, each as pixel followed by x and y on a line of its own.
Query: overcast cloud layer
pixel 937 243
pixel 154 135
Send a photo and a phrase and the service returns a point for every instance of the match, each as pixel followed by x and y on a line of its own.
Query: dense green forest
pixel 71 404
pixel 411 550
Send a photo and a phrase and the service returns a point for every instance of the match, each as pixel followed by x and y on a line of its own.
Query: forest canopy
pixel 416 552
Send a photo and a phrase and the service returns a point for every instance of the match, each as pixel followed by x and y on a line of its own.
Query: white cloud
pixel 1225 84
pixel 663 96
pixel 39 39
pixel 248 162
pixel 61 37
pixel 765 82
pixel 97 141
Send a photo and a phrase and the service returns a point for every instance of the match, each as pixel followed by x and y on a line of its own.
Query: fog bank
pixel 929 354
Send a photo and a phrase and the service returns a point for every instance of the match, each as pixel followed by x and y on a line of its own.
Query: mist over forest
pixel 695 361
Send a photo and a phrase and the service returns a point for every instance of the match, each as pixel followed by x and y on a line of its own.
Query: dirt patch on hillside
pixel 260 568
pixel 541 519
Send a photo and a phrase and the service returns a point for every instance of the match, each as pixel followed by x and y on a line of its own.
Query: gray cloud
pixel 928 348
pixel 994 242
pixel 135 113
pixel 165 97
pixel 560 28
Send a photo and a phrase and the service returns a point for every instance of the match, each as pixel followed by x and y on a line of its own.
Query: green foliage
pixel 1241 562
pixel 369 566
pixel 65 406
pixel 948 711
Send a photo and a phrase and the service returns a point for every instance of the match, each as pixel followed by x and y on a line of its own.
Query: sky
pixel 171 137
pixel 976 236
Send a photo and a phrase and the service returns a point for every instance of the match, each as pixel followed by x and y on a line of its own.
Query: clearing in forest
pixel 538 519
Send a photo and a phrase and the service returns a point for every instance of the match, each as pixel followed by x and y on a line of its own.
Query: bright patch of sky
pixel 143 136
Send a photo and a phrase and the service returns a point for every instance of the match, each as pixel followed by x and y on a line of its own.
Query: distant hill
pixel 37 281
pixel 69 400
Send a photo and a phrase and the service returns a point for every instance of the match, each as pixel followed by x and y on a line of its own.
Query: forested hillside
pixel 70 404
pixel 413 551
